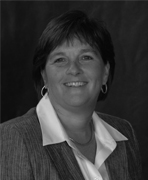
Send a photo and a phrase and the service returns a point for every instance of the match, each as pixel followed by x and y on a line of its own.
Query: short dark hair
pixel 73 24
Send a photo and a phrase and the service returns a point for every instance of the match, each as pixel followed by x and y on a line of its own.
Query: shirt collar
pixel 53 131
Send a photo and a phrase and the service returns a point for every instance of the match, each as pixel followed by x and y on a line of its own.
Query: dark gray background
pixel 127 21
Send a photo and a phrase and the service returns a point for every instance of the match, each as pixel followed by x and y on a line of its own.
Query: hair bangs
pixel 68 34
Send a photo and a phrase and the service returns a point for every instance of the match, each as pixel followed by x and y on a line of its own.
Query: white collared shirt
pixel 106 136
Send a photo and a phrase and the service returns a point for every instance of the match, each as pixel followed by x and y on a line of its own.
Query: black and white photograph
pixel 74 90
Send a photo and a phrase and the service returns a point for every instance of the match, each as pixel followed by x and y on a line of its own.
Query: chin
pixel 77 102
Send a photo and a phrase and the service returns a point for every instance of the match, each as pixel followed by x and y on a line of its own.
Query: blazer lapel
pixel 65 162
pixel 116 163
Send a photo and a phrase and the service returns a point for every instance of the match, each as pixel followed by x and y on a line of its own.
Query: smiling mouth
pixel 75 84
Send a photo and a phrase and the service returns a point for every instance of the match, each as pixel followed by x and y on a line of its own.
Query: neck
pixel 76 121
pixel 77 125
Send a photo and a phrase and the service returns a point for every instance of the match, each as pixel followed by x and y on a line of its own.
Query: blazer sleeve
pixel 14 158
pixel 133 152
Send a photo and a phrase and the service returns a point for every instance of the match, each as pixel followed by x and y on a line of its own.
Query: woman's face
pixel 74 74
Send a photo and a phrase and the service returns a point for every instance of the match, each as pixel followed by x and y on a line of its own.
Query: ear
pixel 106 73
pixel 43 74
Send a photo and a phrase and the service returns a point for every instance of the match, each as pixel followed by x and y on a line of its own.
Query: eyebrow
pixel 56 54
pixel 89 50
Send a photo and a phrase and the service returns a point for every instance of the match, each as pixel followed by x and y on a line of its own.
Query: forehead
pixel 73 45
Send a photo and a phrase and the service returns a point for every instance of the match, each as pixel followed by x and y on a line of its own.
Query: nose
pixel 74 69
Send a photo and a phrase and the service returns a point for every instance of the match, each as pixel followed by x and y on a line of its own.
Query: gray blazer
pixel 23 157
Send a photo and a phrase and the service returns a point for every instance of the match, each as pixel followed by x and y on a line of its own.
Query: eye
pixel 59 60
pixel 86 57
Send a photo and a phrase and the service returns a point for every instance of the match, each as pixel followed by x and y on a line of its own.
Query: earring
pixel 43 90
pixel 104 89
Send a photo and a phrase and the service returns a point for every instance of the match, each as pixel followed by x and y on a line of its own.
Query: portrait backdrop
pixel 21 26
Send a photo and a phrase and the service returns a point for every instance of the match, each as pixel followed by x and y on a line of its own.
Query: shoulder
pixel 120 124
pixel 113 120
pixel 20 120
pixel 23 125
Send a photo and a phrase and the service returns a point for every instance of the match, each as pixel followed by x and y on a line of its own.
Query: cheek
pixel 50 76
pixel 51 80
pixel 53 77
pixel 96 74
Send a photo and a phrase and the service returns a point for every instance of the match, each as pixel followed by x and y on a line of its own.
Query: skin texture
pixel 70 62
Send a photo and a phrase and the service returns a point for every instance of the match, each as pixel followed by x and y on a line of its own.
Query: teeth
pixel 75 84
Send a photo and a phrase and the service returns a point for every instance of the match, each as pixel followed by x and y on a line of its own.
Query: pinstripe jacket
pixel 23 157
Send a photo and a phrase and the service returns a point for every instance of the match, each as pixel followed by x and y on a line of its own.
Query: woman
pixel 63 137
